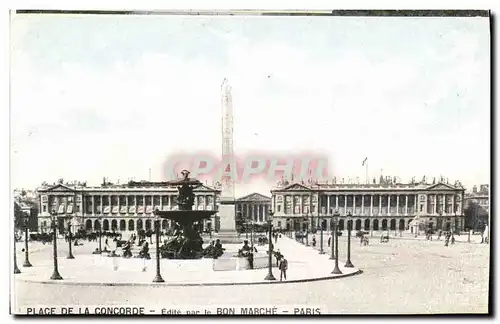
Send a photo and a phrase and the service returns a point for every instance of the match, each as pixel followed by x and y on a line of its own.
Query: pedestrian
pixel 283 267
pixel 329 240
pixel 314 241
pixel 275 237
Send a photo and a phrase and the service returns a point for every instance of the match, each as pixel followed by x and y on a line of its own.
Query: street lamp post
pixel 348 263
pixel 270 259
pixel 332 225
pixel 251 231
pixel 26 263
pixel 100 234
pixel 70 255
pixel 16 268
pixel 55 273
pixel 336 269
pixel 158 277
pixel 307 230
pixel 321 236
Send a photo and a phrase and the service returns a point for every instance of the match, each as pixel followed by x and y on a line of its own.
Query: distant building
pixel 254 207
pixel 477 207
pixel 387 205
pixel 127 207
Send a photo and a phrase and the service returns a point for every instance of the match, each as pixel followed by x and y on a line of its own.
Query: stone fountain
pixel 187 242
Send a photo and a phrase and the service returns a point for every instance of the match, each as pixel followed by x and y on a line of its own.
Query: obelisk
pixel 227 207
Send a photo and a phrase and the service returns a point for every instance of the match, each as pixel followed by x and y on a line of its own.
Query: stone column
pixel 102 210
pixel 345 204
pixel 371 205
pixel 327 204
pixel 389 205
pixel 444 204
pixel 135 204
pixel 161 202
pixel 416 204
pixel 362 204
pixel 435 205
pixel 453 202
pixel 397 204
pixel 379 205
pixel 336 202
pixel 406 205
pixel 92 203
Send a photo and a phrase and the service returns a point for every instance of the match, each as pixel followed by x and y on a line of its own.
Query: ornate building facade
pixel 253 207
pixel 126 207
pixel 387 206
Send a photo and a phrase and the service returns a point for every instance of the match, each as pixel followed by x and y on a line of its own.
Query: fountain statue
pixel 187 242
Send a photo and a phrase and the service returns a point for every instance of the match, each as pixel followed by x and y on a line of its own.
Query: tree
pixel 474 216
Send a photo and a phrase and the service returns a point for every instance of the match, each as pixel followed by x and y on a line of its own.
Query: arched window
pixel 341 225
pixel 148 224
pixel 88 224
pixel 367 224
pixel 139 224
pixel 393 224
pixel 114 225
pixel 401 224
pixel 358 224
pixel 131 224
pixel 123 225
pixel 105 225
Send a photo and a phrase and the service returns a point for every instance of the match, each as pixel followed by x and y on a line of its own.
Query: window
pixel 279 208
pixel 421 207
pixel 77 209
pixel 44 208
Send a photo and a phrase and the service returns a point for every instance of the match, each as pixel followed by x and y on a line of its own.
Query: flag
pixel 364 161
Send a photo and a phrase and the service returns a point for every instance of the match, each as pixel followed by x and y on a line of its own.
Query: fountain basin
pixel 186 217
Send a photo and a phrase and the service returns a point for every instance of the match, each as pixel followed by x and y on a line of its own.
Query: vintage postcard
pixel 250 162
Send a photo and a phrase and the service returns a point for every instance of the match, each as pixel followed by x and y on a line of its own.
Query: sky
pixel 114 96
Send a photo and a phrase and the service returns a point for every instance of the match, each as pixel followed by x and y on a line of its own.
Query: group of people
pixel 126 247
pixel 214 250
pixel 247 252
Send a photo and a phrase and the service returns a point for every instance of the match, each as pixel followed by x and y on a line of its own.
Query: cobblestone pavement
pixel 402 276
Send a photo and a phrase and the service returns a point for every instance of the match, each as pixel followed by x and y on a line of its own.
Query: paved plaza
pixel 88 269
pixel 406 275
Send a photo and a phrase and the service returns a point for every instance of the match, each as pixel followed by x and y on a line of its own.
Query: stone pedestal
pixel 227 216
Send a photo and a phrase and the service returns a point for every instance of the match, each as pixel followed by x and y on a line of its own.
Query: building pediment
pixel 204 188
pixel 296 187
pixel 255 197
pixel 60 188
pixel 441 186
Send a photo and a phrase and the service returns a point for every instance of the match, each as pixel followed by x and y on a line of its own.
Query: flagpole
pixel 367 182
